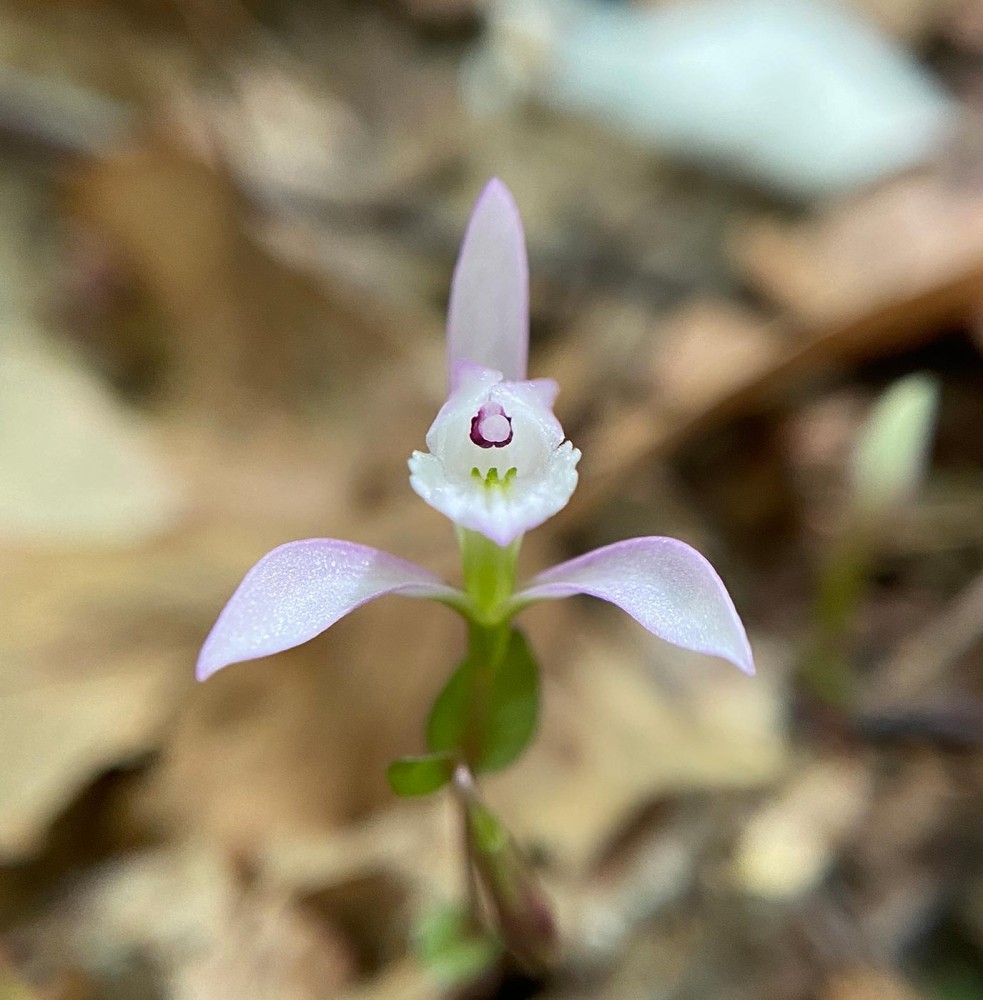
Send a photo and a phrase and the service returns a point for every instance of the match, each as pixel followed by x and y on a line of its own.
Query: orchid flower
pixel 497 465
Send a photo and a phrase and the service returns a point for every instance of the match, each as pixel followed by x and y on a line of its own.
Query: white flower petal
pixel 664 584
pixel 301 588
pixel 500 513
pixel 499 489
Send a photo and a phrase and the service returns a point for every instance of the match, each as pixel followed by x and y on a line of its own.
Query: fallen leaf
pixel 245 333
pixel 94 666
pixel 78 467
pixel 918 235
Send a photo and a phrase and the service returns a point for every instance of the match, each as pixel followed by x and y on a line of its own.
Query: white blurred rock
pixel 800 96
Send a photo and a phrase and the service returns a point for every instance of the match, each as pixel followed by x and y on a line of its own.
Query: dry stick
pixel 921 661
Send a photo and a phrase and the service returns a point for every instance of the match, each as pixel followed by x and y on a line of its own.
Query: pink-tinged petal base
pixel 488 317
pixel 299 589
pixel 664 584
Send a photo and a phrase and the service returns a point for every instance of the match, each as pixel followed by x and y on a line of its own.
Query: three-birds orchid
pixel 498 464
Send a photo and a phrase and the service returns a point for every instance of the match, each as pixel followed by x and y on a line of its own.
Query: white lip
pixel 497 501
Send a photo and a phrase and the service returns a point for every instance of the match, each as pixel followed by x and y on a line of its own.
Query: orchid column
pixel 497 465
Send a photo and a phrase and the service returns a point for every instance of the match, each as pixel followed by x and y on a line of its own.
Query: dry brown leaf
pixel 325 914
pixel 205 933
pixel 59 733
pixel 95 657
pixel 78 468
pixel 245 333
pixel 870 278
pixel 920 234
pixel 267 947
pixel 84 56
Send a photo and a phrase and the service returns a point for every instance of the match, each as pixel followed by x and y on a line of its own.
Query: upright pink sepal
pixel 299 589
pixel 488 318
pixel 664 584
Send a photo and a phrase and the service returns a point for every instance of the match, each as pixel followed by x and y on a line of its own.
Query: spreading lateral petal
pixel 664 584
pixel 301 588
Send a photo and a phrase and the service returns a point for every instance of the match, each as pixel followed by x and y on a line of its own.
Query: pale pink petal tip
pixel 299 589
pixel 664 584
pixel 488 316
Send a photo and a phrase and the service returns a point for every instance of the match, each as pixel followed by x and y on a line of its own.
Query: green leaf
pixel 891 453
pixel 512 711
pixel 448 719
pixel 503 720
pixel 420 775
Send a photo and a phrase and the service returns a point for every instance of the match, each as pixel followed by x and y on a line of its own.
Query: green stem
pixel 489 579
pixel 489 575
pixel 487 645
pixel 520 909
pixel 463 784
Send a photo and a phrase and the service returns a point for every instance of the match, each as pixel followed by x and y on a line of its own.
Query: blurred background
pixel 227 229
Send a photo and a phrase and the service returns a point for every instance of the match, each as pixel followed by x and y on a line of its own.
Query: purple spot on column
pixel 491 427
